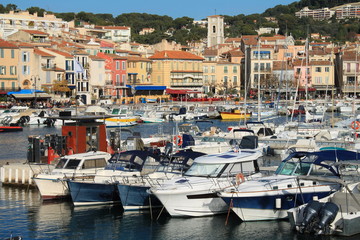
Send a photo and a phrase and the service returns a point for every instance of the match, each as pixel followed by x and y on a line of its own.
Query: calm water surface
pixel 23 213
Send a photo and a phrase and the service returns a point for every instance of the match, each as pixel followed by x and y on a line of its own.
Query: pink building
pixel 115 70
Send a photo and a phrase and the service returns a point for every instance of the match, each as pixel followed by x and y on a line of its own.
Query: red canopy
pixel 181 91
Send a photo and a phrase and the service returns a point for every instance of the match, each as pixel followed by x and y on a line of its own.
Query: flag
pixel 77 67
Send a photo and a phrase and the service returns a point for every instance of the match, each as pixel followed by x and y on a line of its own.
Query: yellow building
pixel 9 59
pixel 138 70
pixel 221 76
pixel 177 69
pixel 322 76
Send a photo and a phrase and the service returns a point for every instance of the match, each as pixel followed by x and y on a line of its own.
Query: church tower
pixel 215 30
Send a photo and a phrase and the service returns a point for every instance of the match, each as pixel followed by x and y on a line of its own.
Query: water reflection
pixel 23 213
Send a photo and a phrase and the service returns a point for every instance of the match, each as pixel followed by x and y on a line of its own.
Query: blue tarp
pixel 25 91
pixel 147 87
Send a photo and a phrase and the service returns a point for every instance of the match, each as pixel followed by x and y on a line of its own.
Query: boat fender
pixel 240 178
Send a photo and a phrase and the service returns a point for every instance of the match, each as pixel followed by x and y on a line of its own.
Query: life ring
pixel 178 140
pixel 240 178
pixel 355 125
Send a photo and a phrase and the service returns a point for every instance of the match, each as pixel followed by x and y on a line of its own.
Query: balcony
pixel 120 85
pixel 108 83
pixel 184 84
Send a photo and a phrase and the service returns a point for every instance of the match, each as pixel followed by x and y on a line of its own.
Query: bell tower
pixel 215 30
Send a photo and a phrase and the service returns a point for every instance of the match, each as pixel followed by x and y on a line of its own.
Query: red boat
pixel 10 128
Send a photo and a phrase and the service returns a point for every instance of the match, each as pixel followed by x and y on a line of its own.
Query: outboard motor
pixel 311 213
pixel 327 216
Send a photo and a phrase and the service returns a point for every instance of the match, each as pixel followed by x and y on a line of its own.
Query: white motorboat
pixel 194 194
pixel 53 185
pixel 269 198
pixel 120 117
pixel 337 214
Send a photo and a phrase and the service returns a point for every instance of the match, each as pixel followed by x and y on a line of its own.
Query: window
pixel 212 69
pixel 327 69
pixel 234 69
pixel 206 79
pixel 1 53
pixel 25 57
pixel 318 69
pixel 214 29
pixel 2 86
pixel 235 80
pixel 318 80
pixel 225 69
pixel 124 65
pixel 117 79
pixel 2 70
pixel 117 65
pixel 205 69
pixel 69 65
pixel 12 70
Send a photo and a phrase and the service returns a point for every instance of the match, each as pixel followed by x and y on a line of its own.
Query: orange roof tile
pixel 175 55
pixel 65 54
pixel 34 32
pixel 42 53
pixel 6 44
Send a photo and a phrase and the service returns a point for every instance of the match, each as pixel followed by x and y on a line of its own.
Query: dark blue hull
pixel 288 201
pixel 136 197
pixel 85 193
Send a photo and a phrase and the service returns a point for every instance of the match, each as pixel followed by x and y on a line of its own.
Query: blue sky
pixel 196 9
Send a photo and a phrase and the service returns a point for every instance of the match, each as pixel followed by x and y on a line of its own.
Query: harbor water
pixel 24 214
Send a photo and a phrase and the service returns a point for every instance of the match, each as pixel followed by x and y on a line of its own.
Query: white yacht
pixel 269 198
pixel 195 193
pixel 53 184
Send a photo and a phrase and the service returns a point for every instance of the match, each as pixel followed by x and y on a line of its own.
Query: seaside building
pixel 350 72
pixel 9 59
pixel 116 71
pixel 322 76
pixel 348 11
pixel 177 70
pixel 12 22
pixel 97 79
pixel 316 14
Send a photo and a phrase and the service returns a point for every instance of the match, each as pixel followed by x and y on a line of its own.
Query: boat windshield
pixel 61 163
pixel 204 170
pixel 293 168
pixel 72 164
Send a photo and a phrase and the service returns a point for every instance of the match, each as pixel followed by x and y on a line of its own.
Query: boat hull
pixel 52 188
pixel 137 197
pixel 270 207
pixel 88 193
pixel 234 116
pixel 10 128
pixel 192 203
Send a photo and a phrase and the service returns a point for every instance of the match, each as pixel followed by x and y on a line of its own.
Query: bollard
pixel 16 175
pixel 30 176
pixel 23 177
pixel 9 176
pixel 2 174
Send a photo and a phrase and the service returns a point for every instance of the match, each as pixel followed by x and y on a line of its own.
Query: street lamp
pixel 35 79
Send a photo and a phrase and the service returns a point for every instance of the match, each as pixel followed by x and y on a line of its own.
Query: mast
pixel 259 95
